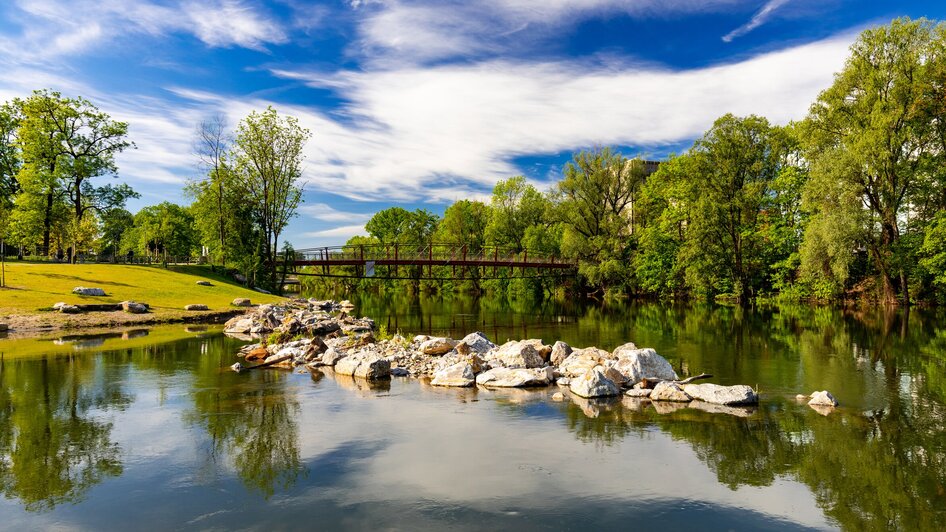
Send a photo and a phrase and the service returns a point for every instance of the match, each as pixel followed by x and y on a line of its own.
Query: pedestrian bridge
pixel 427 261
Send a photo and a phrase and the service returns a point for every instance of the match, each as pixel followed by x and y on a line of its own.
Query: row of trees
pixel 54 150
pixel 850 200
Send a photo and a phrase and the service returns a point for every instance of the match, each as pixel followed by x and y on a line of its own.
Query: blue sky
pixel 420 103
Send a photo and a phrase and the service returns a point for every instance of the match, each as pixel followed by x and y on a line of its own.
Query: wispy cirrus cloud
pixel 424 31
pixel 326 213
pixel 51 28
pixel 760 18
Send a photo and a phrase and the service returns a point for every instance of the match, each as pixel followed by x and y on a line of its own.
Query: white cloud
pixel 326 213
pixel 760 18
pixel 338 233
pixel 437 133
pixel 52 28
pixel 404 31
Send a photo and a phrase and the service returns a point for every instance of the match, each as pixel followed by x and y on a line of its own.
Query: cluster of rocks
pixel 298 317
pixel 348 346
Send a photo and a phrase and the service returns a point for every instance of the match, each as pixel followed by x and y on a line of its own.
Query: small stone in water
pixel 558 396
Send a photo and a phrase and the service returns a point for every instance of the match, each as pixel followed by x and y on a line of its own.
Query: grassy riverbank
pixel 32 288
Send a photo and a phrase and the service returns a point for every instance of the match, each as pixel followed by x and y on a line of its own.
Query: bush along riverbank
pixel 322 335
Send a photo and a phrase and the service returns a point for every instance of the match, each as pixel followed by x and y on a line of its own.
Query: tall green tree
pixel 215 195
pixel 163 230
pixel 872 135
pixel 596 198
pixel 10 160
pixel 516 205
pixel 735 165
pixel 268 154
pixel 72 140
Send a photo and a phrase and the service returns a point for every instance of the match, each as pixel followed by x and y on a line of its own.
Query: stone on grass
pixel 204 283
pixel 515 377
pixel 669 391
pixel 438 346
pixel 594 383
pixel 196 307
pixel 638 364
pixel 823 398
pixel 722 395
pixel 459 374
pixel 133 307
pixel 69 309
pixel 85 291
pixel 241 302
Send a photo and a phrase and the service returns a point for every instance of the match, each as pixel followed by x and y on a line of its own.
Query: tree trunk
pixel 78 222
pixel 47 222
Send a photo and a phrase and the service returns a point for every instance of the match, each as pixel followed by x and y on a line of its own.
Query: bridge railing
pixel 426 254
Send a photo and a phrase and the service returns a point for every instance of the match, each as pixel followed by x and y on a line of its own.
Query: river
pixel 147 429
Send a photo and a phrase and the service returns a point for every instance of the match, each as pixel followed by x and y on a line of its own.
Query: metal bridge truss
pixel 400 261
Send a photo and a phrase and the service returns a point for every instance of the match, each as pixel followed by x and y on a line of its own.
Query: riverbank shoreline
pixel 42 323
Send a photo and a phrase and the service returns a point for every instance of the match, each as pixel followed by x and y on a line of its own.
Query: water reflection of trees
pixel 878 467
pixel 52 448
pixel 250 420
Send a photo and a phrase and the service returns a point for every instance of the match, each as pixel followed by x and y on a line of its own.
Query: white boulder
pixel 459 374
pixel 594 383
pixel 638 364
pixel 722 395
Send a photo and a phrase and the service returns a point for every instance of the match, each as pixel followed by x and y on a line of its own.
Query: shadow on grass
pixel 87 281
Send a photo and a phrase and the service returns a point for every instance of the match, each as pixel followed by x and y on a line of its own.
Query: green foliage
pixel 162 230
pixel 933 250
pixel 267 167
pixel 872 139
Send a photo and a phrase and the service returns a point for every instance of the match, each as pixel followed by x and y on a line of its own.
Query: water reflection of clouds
pixel 479 453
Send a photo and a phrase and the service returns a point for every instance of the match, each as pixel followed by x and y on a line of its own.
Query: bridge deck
pixel 426 255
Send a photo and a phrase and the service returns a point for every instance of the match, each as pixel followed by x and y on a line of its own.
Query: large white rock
pixel 823 398
pixel 438 346
pixel 540 347
pixel 638 364
pixel 518 355
pixel 478 342
pixel 459 374
pixel 722 395
pixel 669 391
pixel 239 324
pixel 594 383
pixel 515 377
pixel 580 361
pixel 560 352
pixel 84 291
pixel 364 365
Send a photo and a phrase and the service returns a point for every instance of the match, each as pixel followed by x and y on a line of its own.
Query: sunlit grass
pixel 35 286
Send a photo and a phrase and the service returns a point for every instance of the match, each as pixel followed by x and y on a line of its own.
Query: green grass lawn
pixel 34 286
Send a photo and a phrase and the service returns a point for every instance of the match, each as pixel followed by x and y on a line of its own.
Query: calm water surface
pixel 147 429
